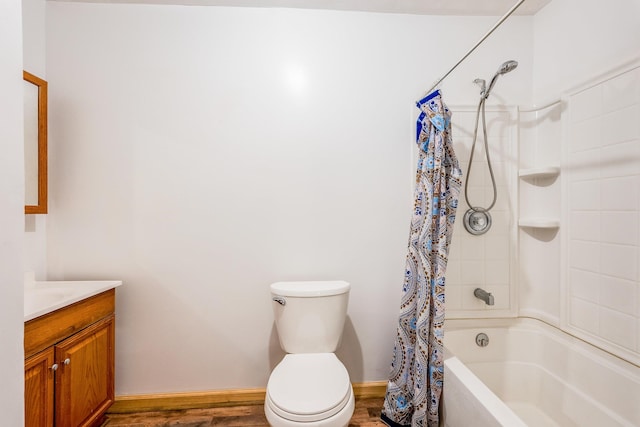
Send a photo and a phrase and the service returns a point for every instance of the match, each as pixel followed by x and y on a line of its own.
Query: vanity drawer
pixel 48 329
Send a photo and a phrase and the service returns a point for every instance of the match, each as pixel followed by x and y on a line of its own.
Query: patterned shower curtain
pixel 416 376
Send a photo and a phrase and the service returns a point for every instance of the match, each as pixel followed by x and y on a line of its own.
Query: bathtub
pixel 533 374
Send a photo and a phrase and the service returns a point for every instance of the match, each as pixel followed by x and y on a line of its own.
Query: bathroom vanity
pixel 69 333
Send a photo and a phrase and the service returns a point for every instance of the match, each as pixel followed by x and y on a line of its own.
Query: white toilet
pixel 310 387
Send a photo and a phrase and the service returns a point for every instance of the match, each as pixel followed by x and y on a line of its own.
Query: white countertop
pixel 44 297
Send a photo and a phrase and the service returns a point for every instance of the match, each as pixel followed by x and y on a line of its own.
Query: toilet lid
pixel 309 387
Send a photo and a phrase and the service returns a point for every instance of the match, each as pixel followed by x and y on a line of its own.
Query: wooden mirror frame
pixel 41 207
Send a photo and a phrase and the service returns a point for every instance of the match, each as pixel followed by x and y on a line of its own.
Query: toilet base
pixel 341 419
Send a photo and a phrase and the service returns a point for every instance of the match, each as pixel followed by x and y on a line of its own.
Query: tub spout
pixel 484 296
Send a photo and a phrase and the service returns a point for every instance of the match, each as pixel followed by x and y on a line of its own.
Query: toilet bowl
pixel 310 387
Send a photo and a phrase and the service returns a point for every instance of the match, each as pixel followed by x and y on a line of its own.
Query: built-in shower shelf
pixel 547 172
pixel 539 222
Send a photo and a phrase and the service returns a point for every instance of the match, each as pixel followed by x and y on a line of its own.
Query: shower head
pixel 504 69
pixel 507 66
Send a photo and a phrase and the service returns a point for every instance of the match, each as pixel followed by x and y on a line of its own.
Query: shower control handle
pixel 280 300
pixel 482 340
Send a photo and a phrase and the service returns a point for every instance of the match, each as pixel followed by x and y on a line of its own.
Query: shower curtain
pixel 416 375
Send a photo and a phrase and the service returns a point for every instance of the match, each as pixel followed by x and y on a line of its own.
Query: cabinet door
pixel 38 389
pixel 84 385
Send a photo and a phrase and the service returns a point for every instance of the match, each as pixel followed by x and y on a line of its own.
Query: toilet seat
pixel 308 387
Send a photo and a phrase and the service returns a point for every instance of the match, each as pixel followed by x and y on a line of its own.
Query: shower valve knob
pixel 482 340
pixel 477 221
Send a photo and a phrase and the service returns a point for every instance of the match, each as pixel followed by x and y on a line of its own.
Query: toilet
pixel 310 387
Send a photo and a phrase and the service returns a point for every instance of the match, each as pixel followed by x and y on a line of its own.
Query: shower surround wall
pixel 487 261
pixel 539 197
pixel 602 214
pixel 552 291
pixel 583 277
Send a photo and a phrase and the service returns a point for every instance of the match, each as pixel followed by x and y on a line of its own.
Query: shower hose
pixel 486 149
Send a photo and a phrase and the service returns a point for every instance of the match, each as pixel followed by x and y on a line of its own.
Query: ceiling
pixel 418 7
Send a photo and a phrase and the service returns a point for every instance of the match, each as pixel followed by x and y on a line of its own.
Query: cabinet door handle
pixel 67 361
pixel 54 367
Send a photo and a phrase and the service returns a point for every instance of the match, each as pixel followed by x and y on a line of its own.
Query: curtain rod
pixel 488 33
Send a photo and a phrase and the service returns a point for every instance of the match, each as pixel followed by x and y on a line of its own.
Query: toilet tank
pixel 310 316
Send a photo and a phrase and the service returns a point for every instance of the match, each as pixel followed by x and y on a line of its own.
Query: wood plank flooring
pixel 366 414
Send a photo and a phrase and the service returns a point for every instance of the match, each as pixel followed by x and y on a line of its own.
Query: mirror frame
pixel 41 207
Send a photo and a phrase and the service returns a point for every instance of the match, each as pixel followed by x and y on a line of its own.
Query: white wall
pixel 574 41
pixel 578 39
pixel 11 215
pixel 34 36
pixel 33 49
pixel 201 153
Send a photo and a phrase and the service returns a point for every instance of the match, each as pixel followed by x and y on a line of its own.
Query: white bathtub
pixel 532 374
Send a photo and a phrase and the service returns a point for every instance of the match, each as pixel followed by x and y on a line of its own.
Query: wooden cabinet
pixel 84 380
pixel 69 370
pixel 38 389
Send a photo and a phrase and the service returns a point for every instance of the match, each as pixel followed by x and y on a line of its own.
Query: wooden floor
pixel 366 414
